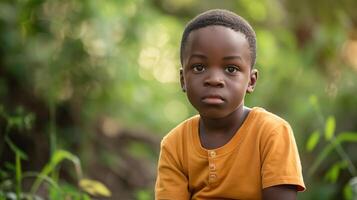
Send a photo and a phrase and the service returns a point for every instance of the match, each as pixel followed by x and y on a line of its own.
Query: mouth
pixel 213 99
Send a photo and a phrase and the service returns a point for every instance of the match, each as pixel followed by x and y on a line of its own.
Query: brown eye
pixel 231 69
pixel 198 68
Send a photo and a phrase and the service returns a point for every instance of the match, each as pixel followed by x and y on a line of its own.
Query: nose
pixel 214 78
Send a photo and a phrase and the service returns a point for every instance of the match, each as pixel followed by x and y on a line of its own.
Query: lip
pixel 213 99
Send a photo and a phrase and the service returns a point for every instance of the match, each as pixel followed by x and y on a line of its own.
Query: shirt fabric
pixel 262 153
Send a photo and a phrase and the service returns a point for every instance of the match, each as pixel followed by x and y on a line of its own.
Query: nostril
pixel 214 82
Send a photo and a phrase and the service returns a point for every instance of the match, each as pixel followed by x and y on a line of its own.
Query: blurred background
pixel 89 88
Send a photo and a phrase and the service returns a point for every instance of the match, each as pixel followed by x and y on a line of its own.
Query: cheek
pixel 192 82
pixel 191 93
pixel 238 88
pixel 193 99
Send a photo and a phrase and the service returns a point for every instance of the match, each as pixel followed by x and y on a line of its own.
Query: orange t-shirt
pixel 261 154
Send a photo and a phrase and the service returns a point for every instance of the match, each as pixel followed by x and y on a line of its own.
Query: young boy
pixel 228 151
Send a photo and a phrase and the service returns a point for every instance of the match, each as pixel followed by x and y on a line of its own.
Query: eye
pixel 231 69
pixel 198 68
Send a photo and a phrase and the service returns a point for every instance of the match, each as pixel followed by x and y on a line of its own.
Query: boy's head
pixel 217 57
pixel 222 18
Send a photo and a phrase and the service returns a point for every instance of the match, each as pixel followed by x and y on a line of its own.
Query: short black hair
pixel 223 18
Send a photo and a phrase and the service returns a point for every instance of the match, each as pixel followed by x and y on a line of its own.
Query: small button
pixel 212 154
pixel 212 167
pixel 212 176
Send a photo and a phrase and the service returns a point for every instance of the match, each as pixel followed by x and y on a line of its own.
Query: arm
pixel 281 167
pixel 171 181
pixel 280 192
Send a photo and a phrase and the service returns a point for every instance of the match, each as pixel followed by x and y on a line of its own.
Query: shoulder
pixel 263 119
pixel 175 145
pixel 268 126
pixel 180 133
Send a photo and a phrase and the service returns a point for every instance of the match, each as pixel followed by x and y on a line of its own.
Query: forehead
pixel 221 39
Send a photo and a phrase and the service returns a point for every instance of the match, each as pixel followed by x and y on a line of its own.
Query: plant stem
pixel 53 138
pixel 52 133
pixel 18 175
pixel 7 129
pixel 344 156
pixel 338 147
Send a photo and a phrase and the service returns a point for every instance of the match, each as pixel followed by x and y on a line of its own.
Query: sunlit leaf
pixel 143 195
pixel 94 188
pixel 57 157
pixel 347 136
pixel 85 197
pixel 313 100
pixel 330 127
pixel 333 173
pixel 312 141
pixel 350 189
pixel 340 138
pixel 347 192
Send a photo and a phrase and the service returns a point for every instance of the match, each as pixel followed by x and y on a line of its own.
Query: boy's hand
pixel 283 192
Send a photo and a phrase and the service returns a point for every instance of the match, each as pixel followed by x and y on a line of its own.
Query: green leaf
pixel 312 141
pixel 57 157
pixel 313 100
pixel 347 192
pixel 333 173
pixel 15 121
pixel 85 197
pixel 2 196
pixel 144 195
pixel 330 127
pixel 94 188
pixel 340 138
pixel 347 136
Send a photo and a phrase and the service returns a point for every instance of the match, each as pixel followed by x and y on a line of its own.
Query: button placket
pixel 212 175
pixel 212 154
pixel 212 167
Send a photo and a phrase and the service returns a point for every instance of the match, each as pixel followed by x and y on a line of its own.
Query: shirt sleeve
pixel 171 181
pixel 280 159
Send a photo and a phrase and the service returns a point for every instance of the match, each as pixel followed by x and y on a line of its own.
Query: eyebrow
pixel 232 57
pixel 197 55
pixel 205 57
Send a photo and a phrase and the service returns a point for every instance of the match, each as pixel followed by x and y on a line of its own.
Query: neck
pixel 226 124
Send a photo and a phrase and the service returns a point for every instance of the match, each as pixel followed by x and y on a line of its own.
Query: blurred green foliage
pixel 73 73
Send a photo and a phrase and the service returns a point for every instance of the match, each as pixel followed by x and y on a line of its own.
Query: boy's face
pixel 216 71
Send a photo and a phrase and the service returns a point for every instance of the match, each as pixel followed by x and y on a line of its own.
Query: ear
pixel 182 80
pixel 252 81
